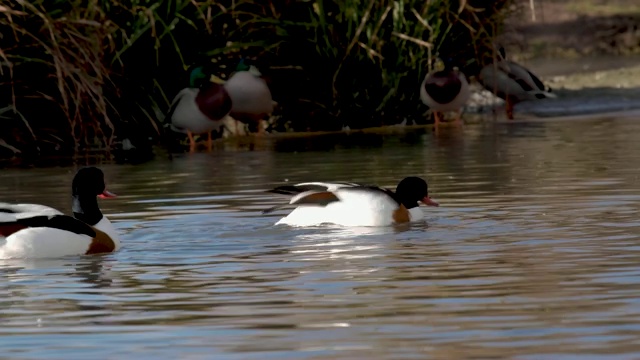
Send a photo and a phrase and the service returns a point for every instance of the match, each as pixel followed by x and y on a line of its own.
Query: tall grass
pixel 87 73
pixel 52 66
pixel 363 60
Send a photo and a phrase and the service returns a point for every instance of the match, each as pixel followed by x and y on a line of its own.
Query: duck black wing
pixel 375 189
pixel 310 193
pixel 14 218
pixel 311 186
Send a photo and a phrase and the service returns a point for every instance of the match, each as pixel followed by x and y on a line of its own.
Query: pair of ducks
pixel 447 89
pixel 38 231
pixel 204 105
pixel 246 96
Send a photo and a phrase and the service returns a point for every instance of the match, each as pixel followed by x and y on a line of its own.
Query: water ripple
pixel 532 255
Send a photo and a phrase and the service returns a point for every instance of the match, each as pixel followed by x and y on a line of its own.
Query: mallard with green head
pixel 445 89
pixel 512 82
pixel 250 96
pixel 200 108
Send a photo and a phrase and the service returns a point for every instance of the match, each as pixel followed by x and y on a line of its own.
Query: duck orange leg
pixel 192 142
pixel 235 123
pixel 261 130
pixel 436 124
pixel 459 119
pixel 209 142
pixel 509 106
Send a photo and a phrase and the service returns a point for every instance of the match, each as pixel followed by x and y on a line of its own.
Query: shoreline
pixel 292 141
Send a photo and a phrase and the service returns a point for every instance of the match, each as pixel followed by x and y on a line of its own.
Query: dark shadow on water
pixel 585 101
pixel 347 140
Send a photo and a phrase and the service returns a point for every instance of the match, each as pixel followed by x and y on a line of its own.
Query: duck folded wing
pixel 10 225
pixel 522 75
pixel 186 94
pixel 320 198
pixel 311 186
pixel 19 211
pixel 310 197
pixel 296 189
pixel 12 216
pixel 316 195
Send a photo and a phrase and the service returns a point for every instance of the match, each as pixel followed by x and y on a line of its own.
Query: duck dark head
pixel 443 64
pixel 242 65
pixel 197 76
pixel 249 65
pixel 448 62
pixel 413 189
pixel 89 181
pixel 87 185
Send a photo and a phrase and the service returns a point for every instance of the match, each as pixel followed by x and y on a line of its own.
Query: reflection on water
pixel 533 254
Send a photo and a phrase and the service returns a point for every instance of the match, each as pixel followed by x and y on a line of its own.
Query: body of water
pixel 533 254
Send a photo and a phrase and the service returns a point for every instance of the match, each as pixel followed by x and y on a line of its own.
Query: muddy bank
pixel 573 28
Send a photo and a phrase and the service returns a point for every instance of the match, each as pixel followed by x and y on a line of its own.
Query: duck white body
pixel 38 231
pixel 45 242
pixel 187 115
pixel 249 94
pixel 349 204
pixel 250 98
pixel 355 208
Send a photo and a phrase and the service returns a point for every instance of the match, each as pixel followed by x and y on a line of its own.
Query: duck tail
pixel 540 94
pixel 274 208
pixel 286 190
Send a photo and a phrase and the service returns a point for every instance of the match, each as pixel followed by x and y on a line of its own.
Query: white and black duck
pixel 351 204
pixel 38 231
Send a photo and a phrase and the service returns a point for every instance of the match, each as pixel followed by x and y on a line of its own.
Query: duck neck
pixel 196 77
pixel 406 201
pixel 85 208
pixel 409 204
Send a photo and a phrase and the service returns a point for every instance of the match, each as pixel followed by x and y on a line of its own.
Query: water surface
pixel 534 254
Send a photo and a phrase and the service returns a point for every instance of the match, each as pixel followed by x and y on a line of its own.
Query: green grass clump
pixel 86 74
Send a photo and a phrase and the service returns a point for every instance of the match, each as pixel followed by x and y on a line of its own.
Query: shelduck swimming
pixel 350 204
pixel 38 231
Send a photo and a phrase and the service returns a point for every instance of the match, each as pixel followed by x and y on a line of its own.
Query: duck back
pixel 249 94
pixel 354 208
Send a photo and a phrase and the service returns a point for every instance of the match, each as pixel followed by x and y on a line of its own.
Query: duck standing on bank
pixel 445 89
pixel 250 96
pixel 38 231
pixel 350 204
pixel 199 109
pixel 512 82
